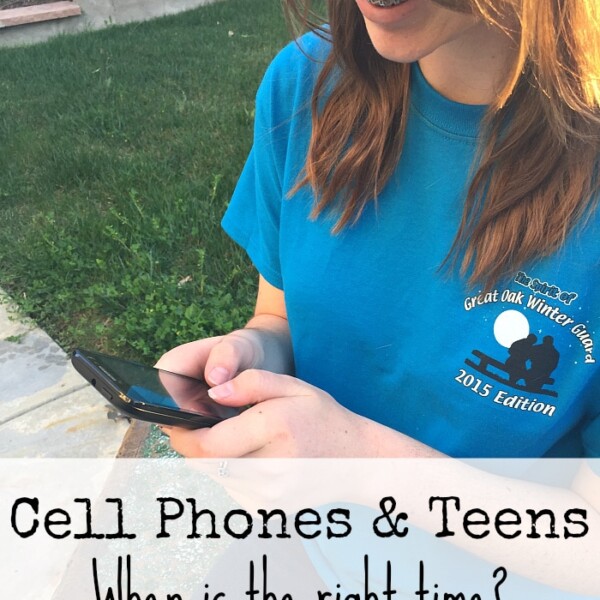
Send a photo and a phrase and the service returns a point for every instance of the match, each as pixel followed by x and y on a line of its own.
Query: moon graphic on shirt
pixel 510 326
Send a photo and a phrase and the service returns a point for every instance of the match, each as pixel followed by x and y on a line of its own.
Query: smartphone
pixel 151 394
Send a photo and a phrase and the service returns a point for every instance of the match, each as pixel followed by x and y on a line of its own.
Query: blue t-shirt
pixel 513 372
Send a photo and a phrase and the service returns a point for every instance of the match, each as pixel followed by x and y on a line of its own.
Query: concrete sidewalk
pixel 46 408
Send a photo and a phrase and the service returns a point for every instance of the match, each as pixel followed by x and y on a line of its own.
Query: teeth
pixel 385 3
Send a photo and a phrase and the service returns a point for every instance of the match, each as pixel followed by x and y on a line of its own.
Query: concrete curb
pixel 95 14
pixel 36 14
pixel 134 440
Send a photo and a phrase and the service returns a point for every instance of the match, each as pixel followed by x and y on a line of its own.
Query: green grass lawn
pixel 120 150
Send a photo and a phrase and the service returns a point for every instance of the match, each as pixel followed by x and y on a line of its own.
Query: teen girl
pixel 420 203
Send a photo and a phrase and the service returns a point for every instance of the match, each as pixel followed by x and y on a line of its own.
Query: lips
pixel 386 3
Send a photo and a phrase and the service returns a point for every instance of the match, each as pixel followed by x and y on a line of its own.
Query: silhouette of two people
pixel 533 363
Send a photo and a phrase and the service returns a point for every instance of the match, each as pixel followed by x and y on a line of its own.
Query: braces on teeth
pixel 385 3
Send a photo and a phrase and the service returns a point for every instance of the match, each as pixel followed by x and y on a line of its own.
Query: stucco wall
pixel 95 15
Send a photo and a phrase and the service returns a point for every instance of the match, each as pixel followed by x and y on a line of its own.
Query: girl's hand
pixel 287 418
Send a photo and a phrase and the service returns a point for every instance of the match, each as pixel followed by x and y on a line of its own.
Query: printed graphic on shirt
pixel 529 364
pixel 519 371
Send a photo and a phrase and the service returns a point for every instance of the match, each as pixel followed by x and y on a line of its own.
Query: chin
pixel 398 48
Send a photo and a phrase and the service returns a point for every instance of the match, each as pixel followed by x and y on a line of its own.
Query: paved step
pixel 46 408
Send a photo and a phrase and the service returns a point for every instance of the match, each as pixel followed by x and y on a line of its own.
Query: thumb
pixel 236 352
pixel 254 386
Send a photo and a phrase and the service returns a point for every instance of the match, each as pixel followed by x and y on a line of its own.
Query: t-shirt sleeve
pixel 253 217
pixel 278 152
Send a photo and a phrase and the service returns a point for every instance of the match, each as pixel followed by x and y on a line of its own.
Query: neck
pixel 474 68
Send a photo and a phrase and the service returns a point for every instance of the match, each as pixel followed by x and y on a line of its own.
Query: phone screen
pixel 155 387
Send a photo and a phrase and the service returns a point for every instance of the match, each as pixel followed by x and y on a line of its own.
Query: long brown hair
pixel 536 172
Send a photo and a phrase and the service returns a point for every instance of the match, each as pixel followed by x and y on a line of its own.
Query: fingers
pixel 235 352
pixel 232 438
pixel 256 430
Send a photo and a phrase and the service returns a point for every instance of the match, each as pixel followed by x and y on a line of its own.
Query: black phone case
pixel 136 410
